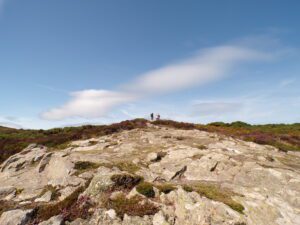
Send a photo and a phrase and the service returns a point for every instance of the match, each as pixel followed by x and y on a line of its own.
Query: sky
pixel 73 62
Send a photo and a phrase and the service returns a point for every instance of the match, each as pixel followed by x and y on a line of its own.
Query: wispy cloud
pixel 287 82
pixel 216 108
pixel 88 104
pixel 206 66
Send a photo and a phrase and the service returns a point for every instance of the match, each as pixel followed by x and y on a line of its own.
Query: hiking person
pixel 152 116
pixel 158 117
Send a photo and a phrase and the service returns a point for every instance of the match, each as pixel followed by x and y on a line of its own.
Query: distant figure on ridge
pixel 158 117
pixel 152 116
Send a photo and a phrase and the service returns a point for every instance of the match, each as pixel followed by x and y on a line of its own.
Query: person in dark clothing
pixel 152 116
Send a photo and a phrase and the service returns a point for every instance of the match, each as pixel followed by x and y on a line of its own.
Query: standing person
pixel 152 116
pixel 158 117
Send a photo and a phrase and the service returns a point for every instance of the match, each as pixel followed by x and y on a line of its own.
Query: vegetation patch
pixel 127 166
pixel 19 191
pixel 135 206
pixel 166 187
pixel 159 157
pixel 83 166
pixel 146 189
pixel 46 211
pixel 126 181
pixel 13 141
pixel 215 193
pixel 79 209
pixel 201 147
pixel 285 137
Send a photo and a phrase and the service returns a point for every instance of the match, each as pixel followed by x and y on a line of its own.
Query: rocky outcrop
pixel 197 177
pixel 16 217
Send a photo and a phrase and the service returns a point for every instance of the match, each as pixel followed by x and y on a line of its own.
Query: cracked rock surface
pixel 215 180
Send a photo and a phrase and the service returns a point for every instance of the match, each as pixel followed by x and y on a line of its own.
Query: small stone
pixel 45 198
pixel 55 220
pixel 151 156
pixel 111 213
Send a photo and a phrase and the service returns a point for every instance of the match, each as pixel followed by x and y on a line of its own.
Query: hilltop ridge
pixel 286 137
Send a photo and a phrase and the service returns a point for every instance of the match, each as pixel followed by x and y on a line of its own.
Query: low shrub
pixel 79 209
pixel 165 187
pixel 83 166
pixel 215 193
pixel 146 189
pixel 123 180
pixel 127 166
pixel 135 206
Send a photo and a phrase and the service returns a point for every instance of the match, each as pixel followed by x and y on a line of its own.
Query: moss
pixel 134 206
pixel 19 191
pixel 127 166
pixel 215 193
pixel 187 188
pixel 83 166
pixel 123 180
pixel 146 189
pixel 165 188
pixel 201 147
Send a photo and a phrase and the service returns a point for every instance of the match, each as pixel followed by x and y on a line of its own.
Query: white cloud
pixel 88 104
pixel 208 65
pixel 216 108
pixel 287 82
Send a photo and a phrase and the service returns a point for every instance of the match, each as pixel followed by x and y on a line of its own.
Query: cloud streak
pixel 216 108
pixel 88 104
pixel 207 66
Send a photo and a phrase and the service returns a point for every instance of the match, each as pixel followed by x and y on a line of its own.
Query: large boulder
pixel 16 217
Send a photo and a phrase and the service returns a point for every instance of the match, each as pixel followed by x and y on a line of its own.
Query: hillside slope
pixel 286 137
pixel 152 174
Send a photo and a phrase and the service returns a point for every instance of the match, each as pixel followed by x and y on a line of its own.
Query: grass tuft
pixel 126 181
pixel 146 189
pixel 166 187
pixel 135 206
pixel 215 193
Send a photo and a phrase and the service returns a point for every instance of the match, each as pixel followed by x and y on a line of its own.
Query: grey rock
pixel 15 217
pixel 55 220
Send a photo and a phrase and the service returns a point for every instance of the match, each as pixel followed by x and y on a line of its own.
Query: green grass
pixel 127 166
pixel 125 180
pixel 285 137
pixel 13 141
pixel 84 166
pixel 146 189
pixel 215 193
pixel 135 206
pixel 165 187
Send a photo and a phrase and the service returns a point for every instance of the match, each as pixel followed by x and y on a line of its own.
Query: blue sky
pixel 69 62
